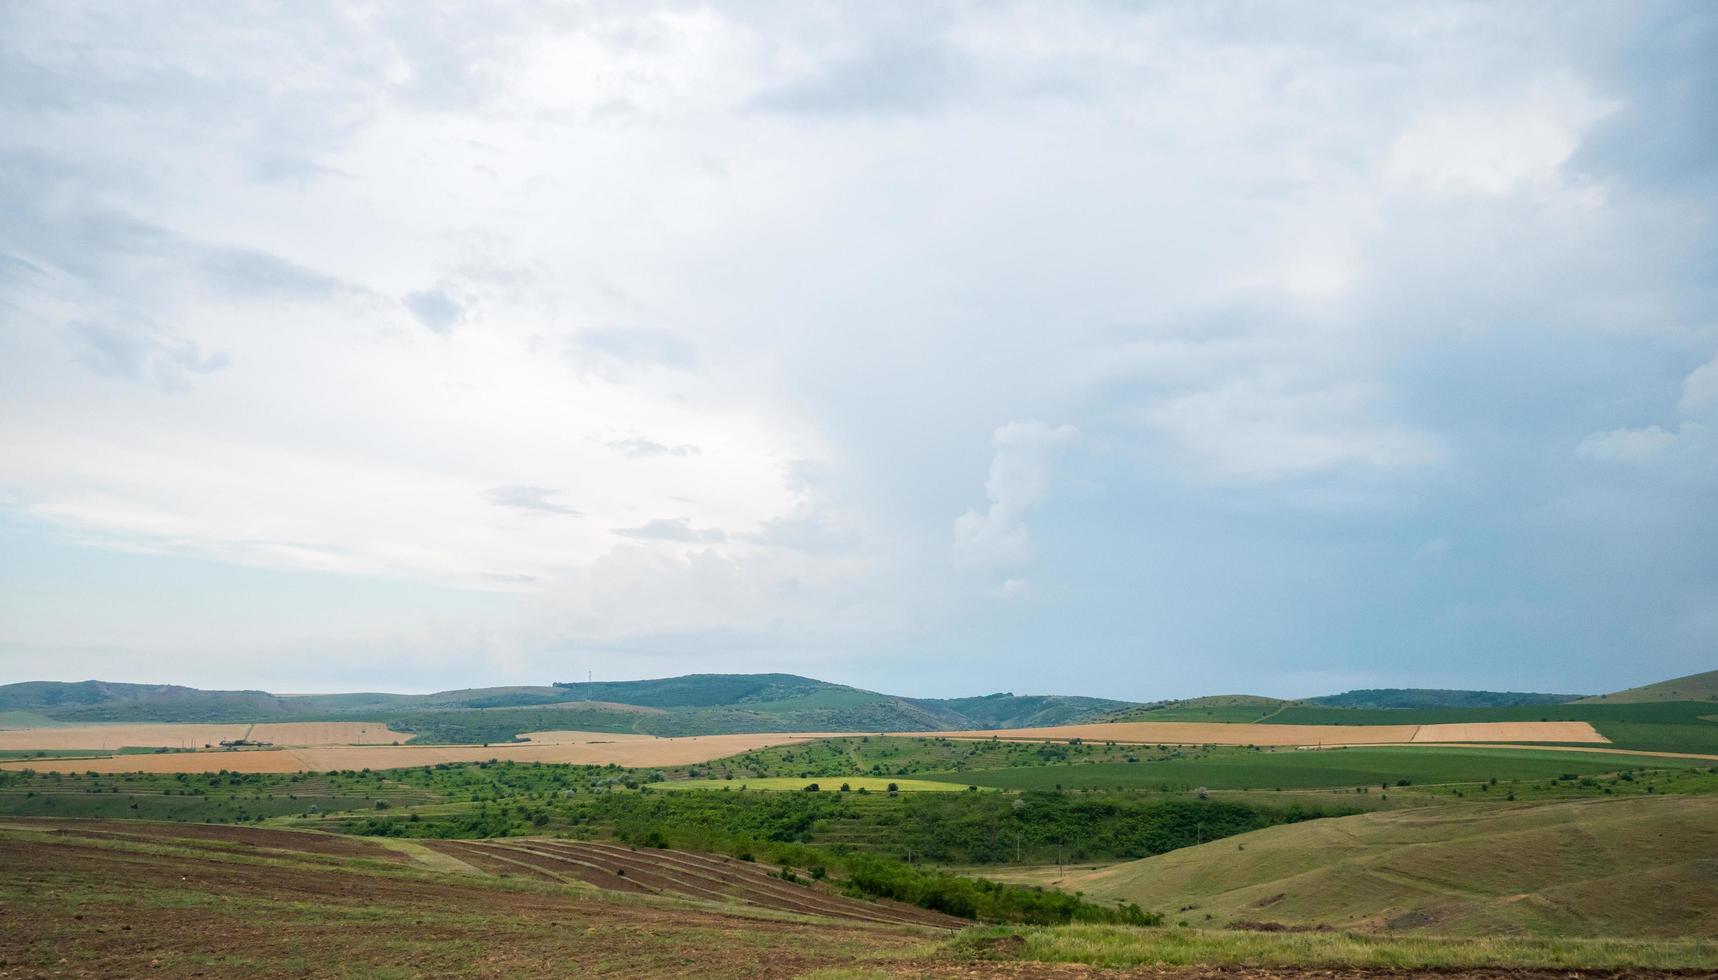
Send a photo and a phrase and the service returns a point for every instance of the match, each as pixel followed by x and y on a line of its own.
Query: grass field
pixel 870 784
pixel 1352 954
pixel 1375 767
pixel 1641 867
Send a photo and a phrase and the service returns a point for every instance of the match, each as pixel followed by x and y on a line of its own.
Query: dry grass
pixel 181 736
pixel 624 750
pixel 1511 731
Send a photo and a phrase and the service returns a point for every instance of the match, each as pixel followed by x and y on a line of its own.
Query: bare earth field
pixel 598 749
pixel 1217 733
pixel 180 736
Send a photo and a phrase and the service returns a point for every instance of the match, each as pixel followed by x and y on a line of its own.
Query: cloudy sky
pixel 1141 350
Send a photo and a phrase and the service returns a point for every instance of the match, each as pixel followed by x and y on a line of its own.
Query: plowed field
pixel 686 874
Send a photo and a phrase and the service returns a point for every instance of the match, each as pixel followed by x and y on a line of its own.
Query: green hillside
pixel 1226 708
pixel 696 704
pixel 1694 687
pixel 1645 867
pixel 1420 697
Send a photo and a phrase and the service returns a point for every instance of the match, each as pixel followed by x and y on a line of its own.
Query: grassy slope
pixel 697 704
pixel 1694 687
pixel 1422 697
pixel 1646 866
pixel 1292 769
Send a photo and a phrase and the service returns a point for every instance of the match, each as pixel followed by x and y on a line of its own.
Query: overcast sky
pixel 1135 350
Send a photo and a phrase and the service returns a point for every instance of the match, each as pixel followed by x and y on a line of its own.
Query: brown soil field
pixel 178 736
pixel 684 873
pixel 621 750
pixel 1217 733
pixel 75 906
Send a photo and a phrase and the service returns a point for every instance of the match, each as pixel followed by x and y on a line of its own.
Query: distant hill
pixel 1422 697
pixel 1694 687
pixel 695 704
pixel 1639 867
pixel 1019 711
pixel 1232 708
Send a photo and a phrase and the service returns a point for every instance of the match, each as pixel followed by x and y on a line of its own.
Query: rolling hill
pixel 1694 687
pixel 1420 697
pixel 1645 866
pixel 695 704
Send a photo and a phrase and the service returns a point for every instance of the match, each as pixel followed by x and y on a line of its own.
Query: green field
pixel 1116 948
pixel 870 784
pixel 1377 768
pixel 1640 867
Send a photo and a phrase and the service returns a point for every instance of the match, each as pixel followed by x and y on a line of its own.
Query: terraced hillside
pixel 1645 866
pixel 687 874
pixel 130 898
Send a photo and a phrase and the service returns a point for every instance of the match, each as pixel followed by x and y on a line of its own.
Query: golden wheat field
pixel 601 749
pixel 182 736
pixel 1512 731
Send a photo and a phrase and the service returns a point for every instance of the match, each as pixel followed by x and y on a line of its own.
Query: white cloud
pixel 1263 430
pixel 1019 480
pixel 1700 388
pixel 1625 445
pixel 1495 147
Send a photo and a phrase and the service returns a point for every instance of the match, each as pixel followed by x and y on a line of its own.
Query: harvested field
pixel 1218 733
pixel 1511 731
pixel 116 908
pixel 686 874
pixel 293 733
pixel 620 750
pixel 252 838
pixel 178 736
